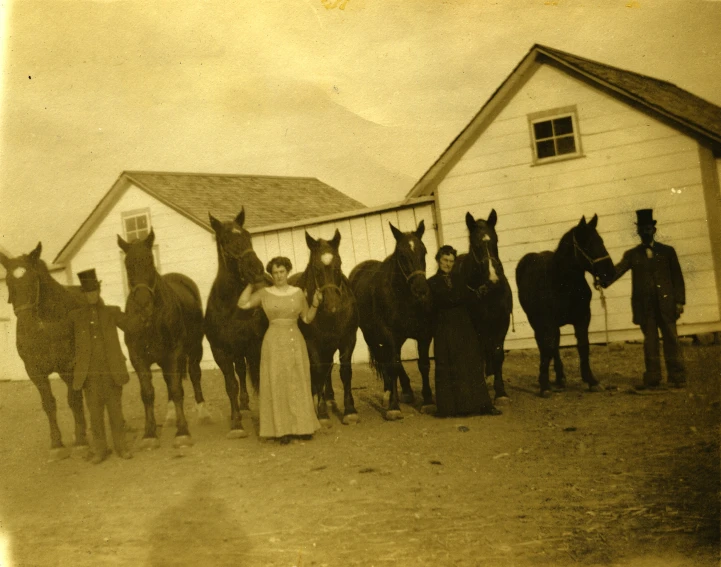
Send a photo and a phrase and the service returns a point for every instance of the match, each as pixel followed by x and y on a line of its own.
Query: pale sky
pixel 364 98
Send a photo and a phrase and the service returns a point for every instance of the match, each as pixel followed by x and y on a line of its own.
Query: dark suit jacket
pixel 109 317
pixel 653 279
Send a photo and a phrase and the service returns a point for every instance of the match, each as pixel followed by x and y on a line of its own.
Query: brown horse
pixel 171 335
pixel 45 340
pixel 235 335
pixel 394 304
pixel 334 328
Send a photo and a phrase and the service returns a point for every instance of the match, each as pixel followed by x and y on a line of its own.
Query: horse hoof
pixel 203 414
pixel 149 443
pixel 59 453
pixel 394 415
pixel 237 434
pixel 81 451
pixel 596 388
pixel 386 399
pixel 546 394
pixel 182 441
pixel 351 419
pixel 331 404
pixel 407 398
pixel 325 422
pixel 429 409
pixel 502 400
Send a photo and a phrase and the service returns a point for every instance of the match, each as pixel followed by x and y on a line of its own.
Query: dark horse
pixel 491 303
pixel 45 340
pixel 334 328
pixel 171 335
pixel 235 335
pixel 553 292
pixel 394 304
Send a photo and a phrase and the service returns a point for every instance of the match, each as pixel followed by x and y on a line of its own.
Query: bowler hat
pixel 88 280
pixel 644 217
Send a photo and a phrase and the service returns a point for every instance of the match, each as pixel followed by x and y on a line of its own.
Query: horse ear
pixel 335 241
pixel 240 219
pixel 215 224
pixel 470 221
pixel 492 218
pixel 421 229
pixel 310 241
pixel 35 254
pixel 594 221
pixel 582 222
pixel 150 239
pixel 124 246
pixel 397 234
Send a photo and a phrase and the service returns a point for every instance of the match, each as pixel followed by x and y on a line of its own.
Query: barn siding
pixel 630 161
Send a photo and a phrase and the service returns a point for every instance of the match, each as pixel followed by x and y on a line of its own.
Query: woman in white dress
pixel 286 401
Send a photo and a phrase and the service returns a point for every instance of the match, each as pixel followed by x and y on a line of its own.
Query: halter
pixel 151 289
pixel 33 304
pixel 481 289
pixel 592 261
pixel 326 286
pixel 225 254
pixel 413 273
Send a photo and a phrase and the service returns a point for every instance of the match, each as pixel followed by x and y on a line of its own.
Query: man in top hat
pixel 100 365
pixel 657 299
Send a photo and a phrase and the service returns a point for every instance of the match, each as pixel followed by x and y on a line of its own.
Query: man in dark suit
pixel 100 365
pixel 657 299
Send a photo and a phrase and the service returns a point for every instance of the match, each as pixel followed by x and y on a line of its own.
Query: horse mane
pixel 56 299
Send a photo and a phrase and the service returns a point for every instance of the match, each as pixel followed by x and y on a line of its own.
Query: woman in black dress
pixel 460 383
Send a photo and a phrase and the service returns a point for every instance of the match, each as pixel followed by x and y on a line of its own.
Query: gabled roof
pixel 661 99
pixel 267 200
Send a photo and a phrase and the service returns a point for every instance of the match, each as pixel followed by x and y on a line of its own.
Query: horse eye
pixel 19 272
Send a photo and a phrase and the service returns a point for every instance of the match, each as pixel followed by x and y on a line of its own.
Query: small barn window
pixel 136 225
pixel 554 135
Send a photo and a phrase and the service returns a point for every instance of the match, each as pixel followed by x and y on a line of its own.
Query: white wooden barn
pixel 564 137
pixel 176 205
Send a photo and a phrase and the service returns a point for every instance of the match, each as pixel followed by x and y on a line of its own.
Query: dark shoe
pixel 285 440
pixel 492 411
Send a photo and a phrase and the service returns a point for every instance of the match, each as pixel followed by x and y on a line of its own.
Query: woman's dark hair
pixel 279 261
pixel 446 250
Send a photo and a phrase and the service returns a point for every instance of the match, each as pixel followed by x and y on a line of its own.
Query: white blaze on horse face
pixel 486 237
pixel 19 272
pixel 326 258
pixel 492 275
pixel 412 245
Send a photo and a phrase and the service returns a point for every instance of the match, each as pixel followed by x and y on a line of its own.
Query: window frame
pixel 131 214
pixel 548 116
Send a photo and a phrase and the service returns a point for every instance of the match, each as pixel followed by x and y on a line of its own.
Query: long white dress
pixel 286 401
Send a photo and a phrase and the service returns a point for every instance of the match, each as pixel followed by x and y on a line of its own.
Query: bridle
pixel 322 288
pixel 592 261
pixel 150 288
pixel 412 274
pixel 30 305
pixel 481 289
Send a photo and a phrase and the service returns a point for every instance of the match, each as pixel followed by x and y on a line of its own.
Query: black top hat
pixel 644 217
pixel 88 280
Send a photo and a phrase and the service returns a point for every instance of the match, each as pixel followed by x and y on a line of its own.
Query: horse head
pixel 410 257
pixel 589 251
pixel 235 249
pixel 143 278
pixel 483 244
pixel 324 270
pixel 24 277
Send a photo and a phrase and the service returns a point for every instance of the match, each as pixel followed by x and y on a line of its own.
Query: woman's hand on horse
pixel 317 298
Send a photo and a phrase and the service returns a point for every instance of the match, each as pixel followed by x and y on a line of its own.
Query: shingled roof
pixel 268 200
pixel 661 99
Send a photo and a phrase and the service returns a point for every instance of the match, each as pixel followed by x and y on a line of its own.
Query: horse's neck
pixel 395 275
pixel 55 299
pixel 228 286
pixel 565 263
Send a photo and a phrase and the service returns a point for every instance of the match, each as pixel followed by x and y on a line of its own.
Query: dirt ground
pixel 611 478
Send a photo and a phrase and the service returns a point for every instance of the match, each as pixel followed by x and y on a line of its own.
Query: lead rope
pixel 597 285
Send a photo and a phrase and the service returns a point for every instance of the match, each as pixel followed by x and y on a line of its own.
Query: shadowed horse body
pixel 553 292
pixel 235 335
pixel 45 339
pixel 394 304
pixel 334 327
pixel 491 303
pixel 171 335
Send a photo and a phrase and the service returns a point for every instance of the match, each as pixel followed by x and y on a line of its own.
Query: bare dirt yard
pixel 611 478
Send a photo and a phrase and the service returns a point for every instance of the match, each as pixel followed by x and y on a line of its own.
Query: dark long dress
pixel 460 384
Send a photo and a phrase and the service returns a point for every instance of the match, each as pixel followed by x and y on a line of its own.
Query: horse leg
pixel 171 416
pixel 195 355
pixel 407 396
pixel 57 450
pixel 328 392
pixel 497 357
pixel 228 367
pixel 558 369
pixel 424 367
pixel 147 394
pixel 350 415
pixel 75 401
pixel 175 387
pixel 545 342
pixel 581 332
pixel 320 372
